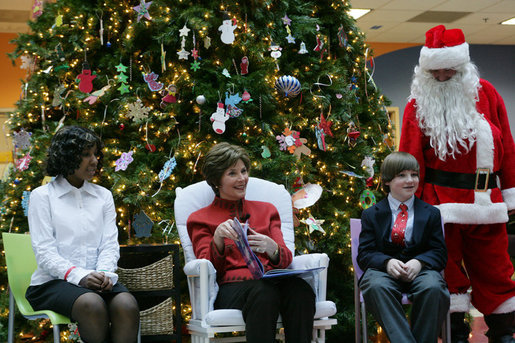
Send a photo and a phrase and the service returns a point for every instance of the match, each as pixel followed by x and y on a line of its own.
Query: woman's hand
pixel 224 230
pixel 262 244
pixel 96 281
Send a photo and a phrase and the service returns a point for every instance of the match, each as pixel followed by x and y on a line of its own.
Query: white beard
pixel 446 111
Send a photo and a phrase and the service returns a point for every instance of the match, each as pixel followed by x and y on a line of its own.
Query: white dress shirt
pixel 394 206
pixel 73 227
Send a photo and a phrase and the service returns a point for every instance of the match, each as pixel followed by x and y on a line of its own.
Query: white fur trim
pixel 474 213
pixel 444 58
pixel 484 145
pixel 509 198
pixel 460 303
pixel 506 307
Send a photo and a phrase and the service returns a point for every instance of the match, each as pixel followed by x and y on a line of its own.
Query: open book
pixel 253 262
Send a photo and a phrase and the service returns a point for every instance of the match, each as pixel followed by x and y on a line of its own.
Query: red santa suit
pixel 474 191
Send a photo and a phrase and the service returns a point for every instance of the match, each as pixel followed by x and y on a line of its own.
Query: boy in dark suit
pixel 402 250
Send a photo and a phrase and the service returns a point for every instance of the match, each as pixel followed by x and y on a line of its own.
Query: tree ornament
pixel 289 38
pixel 352 134
pixel 37 9
pixel 25 199
pixel 275 51
pixel 167 170
pixel 244 65
pixel 22 139
pixel 266 152
pixel 290 140
pixel 307 195
pixel 368 165
pixel 150 147
pixel 227 29
pixel 207 42
pixel 184 31
pixel 142 9
pixel 367 199
pixel 219 118
pixel 168 95
pixel 225 73
pixel 86 79
pixel 142 224
pixel 201 100
pixel 23 163
pixel 303 49
pixel 183 54
pixel 313 224
pixel 195 65
pixel 245 97
pixel 123 162
pixel 97 94
pixel 137 111
pixel 150 79
pixel 286 20
pixel 342 37
pixel 288 85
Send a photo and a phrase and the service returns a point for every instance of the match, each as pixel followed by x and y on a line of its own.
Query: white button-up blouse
pixel 73 231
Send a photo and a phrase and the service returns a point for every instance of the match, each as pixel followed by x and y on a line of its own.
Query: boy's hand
pixel 412 268
pixel 396 269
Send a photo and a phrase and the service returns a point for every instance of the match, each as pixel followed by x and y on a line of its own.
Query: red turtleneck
pixel 230 265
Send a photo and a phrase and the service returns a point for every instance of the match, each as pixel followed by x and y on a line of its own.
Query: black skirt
pixel 59 295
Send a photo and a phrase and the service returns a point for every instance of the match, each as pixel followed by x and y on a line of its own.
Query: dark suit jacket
pixel 427 242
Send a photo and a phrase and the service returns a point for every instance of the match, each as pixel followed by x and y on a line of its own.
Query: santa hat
pixel 444 49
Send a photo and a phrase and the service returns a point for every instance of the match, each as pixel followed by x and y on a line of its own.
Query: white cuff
pixel 508 196
pixel 76 274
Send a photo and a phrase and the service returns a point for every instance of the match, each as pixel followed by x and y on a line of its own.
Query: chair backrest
pixel 355 230
pixel 21 263
pixel 199 195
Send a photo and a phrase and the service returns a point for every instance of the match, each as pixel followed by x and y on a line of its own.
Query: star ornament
pixel 142 9
pixel 195 65
pixel 184 31
pixel 286 20
pixel 314 224
pixel 183 54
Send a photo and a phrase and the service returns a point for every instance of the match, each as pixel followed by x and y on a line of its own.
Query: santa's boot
pixel 500 327
pixel 460 329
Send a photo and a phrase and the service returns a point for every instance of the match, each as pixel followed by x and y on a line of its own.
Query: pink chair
pixel 359 304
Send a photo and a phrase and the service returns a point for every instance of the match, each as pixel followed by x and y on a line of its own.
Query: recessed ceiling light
pixel 358 12
pixel 509 22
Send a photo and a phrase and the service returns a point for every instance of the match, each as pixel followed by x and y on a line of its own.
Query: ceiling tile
pixel 377 17
pixel 368 3
pixel 469 5
pixel 412 5
pixel 505 6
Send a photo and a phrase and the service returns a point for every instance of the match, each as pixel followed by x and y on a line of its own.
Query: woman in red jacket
pixel 226 170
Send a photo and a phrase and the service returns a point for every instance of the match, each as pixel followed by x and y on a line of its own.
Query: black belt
pixel 480 181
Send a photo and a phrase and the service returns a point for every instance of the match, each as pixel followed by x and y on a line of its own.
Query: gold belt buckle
pixel 482 171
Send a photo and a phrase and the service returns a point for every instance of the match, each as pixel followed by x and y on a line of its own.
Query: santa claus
pixel 456 125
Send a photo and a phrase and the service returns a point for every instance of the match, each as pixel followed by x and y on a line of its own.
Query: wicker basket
pixel 157 320
pixel 155 276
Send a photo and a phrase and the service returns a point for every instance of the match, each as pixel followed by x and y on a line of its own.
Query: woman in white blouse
pixel 72 224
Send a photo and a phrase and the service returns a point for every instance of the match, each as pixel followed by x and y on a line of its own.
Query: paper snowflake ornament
pixel 22 139
pixel 167 169
pixel 142 224
pixel 123 162
pixel 142 9
pixel 23 163
pixel 25 198
pixel 314 224
pixel 137 111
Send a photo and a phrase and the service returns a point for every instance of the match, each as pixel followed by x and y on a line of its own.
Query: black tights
pixel 94 315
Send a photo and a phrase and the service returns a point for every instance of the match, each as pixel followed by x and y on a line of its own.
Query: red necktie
pixel 399 227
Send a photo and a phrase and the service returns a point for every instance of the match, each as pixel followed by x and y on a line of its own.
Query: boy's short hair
pixel 64 155
pixel 395 163
pixel 221 157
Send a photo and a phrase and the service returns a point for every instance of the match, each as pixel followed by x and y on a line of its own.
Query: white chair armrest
pixel 317 280
pixel 202 286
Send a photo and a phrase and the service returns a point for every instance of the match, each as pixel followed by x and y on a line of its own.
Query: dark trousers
pixel 261 302
pixel 430 303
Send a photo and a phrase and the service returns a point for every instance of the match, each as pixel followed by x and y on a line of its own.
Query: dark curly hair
pixel 65 152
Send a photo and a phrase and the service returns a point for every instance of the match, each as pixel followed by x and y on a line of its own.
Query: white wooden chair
pixel 205 321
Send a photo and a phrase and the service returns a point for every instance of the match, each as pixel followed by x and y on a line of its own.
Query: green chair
pixel 21 263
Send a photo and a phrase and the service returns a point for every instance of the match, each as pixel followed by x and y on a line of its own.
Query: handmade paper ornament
pixel 37 8
pixel 91 99
pixel 225 73
pixel 168 95
pixel 183 54
pixel 219 118
pixel 303 49
pixel 368 165
pixel 290 140
pixel 74 332
pixel 286 20
pixel 201 100
pixel 207 42
pixel 320 135
pixel 124 88
pixel 314 224
pixel 195 65
pixel 184 31
pixel 58 21
pixel 22 139
pixel 244 65
pixel 245 97
pixel 319 45
pixel 86 79
pixel 367 199
pixel 288 85
pixel 227 28
pixel 150 79
pixel 275 51
pixel 307 196
pixel 137 111
pixel 25 199
pixel 142 10
pixel 266 152
pixel 142 224
pixel 232 99
pixel 289 38
pixel 123 162
pixel 57 100
pixel 23 163
pixel 27 62
pixel 352 134
pixel 342 37
pixel 167 170
pixel 150 147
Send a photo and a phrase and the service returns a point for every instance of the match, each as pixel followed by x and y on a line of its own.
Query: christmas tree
pixel 163 81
